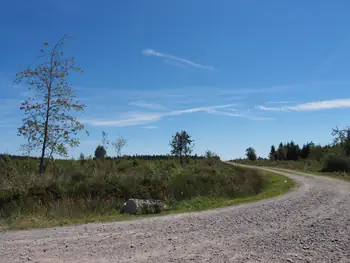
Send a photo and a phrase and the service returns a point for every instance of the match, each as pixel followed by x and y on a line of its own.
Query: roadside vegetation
pixel 332 159
pixel 80 191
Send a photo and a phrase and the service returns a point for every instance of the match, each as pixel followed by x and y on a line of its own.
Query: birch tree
pixel 49 123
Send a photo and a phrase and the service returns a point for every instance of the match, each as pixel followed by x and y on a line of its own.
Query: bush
pixel 335 163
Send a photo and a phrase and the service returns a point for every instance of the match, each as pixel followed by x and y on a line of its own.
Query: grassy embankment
pixel 304 166
pixel 73 192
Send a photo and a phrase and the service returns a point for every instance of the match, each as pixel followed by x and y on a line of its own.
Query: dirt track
pixel 310 224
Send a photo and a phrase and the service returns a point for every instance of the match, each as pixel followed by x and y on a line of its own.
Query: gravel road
pixel 309 224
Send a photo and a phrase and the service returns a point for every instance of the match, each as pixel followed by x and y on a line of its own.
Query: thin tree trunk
pixel 41 168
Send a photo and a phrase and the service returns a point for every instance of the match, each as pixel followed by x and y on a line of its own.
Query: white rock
pixel 143 206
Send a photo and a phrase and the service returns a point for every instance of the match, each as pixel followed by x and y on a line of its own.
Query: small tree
pixel 281 152
pixel 100 152
pixel 251 154
pixel 81 157
pixel 211 157
pixel 181 145
pixel 48 124
pixel 273 153
pixel 209 154
pixel 342 138
pixel 119 144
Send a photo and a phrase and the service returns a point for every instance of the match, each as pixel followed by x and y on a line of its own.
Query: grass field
pixel 75 193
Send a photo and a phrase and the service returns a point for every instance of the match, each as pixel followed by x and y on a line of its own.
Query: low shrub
pixel 334 163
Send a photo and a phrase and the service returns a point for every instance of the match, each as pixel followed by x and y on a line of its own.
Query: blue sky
pixel 234 74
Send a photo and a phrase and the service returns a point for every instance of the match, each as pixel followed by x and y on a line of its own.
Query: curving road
pixel 309 224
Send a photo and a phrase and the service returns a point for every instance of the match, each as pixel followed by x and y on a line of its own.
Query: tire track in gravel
pixel 308 224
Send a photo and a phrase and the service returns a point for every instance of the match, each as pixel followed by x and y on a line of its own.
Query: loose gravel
pixel 309 224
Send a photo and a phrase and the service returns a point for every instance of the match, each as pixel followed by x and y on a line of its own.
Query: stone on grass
pixel 142 206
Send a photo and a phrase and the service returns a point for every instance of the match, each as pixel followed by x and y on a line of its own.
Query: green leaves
pixel 181 144
pixel 342 138
pixel 119 144
pixel 251 154
pixel 100 152
pixel 48 123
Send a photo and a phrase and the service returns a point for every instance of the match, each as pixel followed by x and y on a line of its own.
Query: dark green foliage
pixel 292 151
pixel 342 138
pixel 334 163
pixel 332 158
pixel 281 152
pixel 100 152
pixel 317 153
pixel 181 145
pixel 251 154
pixel 273 153
pixel 305 150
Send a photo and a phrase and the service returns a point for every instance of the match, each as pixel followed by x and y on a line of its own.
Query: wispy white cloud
pixel 131 119
pixel 200 109
pixel 246 115
pixel 175 64
pixel 168 57
pixel 311 106
pixel 184 94
pixel 145 105
pixel 191 94
pixel 230 114
pixel 150 127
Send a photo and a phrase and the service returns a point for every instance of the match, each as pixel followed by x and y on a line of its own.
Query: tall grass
pixel 75 189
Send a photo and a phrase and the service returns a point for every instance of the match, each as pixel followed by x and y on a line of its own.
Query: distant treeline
pixel 291 151
pixel 125 157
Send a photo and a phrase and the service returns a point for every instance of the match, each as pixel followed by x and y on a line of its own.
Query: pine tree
pixel 273 153
pixel 281 152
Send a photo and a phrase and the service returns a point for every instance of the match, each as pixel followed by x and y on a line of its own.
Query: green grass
pixel 274 184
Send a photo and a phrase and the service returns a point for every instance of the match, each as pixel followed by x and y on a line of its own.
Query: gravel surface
pixel 309 224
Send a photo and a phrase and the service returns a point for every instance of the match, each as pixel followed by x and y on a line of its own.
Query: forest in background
pixel 330 158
